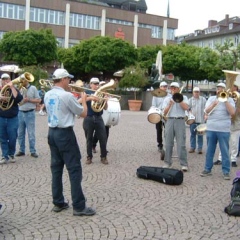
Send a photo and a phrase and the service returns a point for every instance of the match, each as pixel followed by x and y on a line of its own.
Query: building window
pixel 122 22
pixel 170 34
pixel 84 21
pixel 12 11
pixel 47 16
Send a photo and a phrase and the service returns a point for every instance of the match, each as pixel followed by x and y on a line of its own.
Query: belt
pixel 61 128
pixel 175 117
pixel 95 116
pixel 27 110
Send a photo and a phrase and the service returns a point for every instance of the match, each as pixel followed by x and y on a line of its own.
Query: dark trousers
pixel 91 124
pixel 95 139
pixel 65 150
pixel 159 128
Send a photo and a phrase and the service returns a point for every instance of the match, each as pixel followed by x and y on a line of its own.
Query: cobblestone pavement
pixel 127 207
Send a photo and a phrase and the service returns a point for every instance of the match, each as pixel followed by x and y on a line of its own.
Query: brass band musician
pixel 174 109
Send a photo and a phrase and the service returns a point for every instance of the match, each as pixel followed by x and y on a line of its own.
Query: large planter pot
pixel 134 105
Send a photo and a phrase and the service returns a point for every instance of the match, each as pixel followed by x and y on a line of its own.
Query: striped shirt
pixel 197 106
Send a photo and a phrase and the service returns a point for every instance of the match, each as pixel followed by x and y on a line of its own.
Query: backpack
pixel 233 209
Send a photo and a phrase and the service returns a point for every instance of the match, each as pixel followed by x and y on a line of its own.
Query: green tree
pixel 104 54
pixel 229 55
pixel 209 64
pixel 29 47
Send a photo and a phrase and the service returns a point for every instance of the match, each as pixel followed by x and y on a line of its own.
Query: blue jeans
pixel 65 151
pixel 212 139
pixel 194 137
pixel 26 122
pixel 8 136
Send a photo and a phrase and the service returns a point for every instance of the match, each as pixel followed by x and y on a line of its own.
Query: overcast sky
pixel 194 14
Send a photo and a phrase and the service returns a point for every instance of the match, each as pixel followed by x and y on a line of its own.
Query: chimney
pixel 226 19
pixel 212 23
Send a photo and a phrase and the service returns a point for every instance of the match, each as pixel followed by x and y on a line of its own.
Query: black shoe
pixel 162 155
pixel 218 162
pixel 34 155
pixel 87 211
pixel 160 149
pixel 19 154
pixel 234 164
pixel 59 208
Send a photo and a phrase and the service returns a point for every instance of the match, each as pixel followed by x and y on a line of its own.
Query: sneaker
pixel 191 150
pixel 218 162
pixel 94 150
pixel 234 164
pixel 3 160
pixel 41 113
pixel 59 208
pixel 19 154
pixel 167 165
pixel 184 168
pixel 34 155
pixel 87 211
pixel 104 160
pixel 89 160
pixel 226 176
pixel 205 173
pixel 12 160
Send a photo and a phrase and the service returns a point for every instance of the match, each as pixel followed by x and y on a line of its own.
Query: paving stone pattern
pixel 127 207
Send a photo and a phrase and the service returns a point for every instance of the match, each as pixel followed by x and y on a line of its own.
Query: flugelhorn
pixel 97 106
pixel 6 93
pixel 46 83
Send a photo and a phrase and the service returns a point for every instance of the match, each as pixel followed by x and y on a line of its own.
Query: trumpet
pixel 46 83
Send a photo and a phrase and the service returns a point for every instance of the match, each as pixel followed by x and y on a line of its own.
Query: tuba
pixel 230 79
pixel 6 93
pixel 98 106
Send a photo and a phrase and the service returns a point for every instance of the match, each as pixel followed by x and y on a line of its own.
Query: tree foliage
pixel 104 54
pixel 29 47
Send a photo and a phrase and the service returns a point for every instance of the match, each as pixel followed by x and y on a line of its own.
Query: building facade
pixel 74 20
pixel 215 33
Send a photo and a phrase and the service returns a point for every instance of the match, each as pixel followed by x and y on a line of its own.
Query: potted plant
pixel 134 79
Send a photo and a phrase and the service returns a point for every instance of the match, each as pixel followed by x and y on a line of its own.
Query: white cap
pixel 221 85
pixel 102 83
pixel 236 84
pixel 174 84
pixel 94 80
pixel 196 89
pixel 5 75
pixel 163 84
pixel 61 73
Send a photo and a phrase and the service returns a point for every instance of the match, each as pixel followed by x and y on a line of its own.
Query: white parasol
pixel 159 64
pixel 10 68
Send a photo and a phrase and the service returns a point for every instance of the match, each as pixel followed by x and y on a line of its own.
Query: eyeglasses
pixel 173 87
pixel 95 83
pixel 4 79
